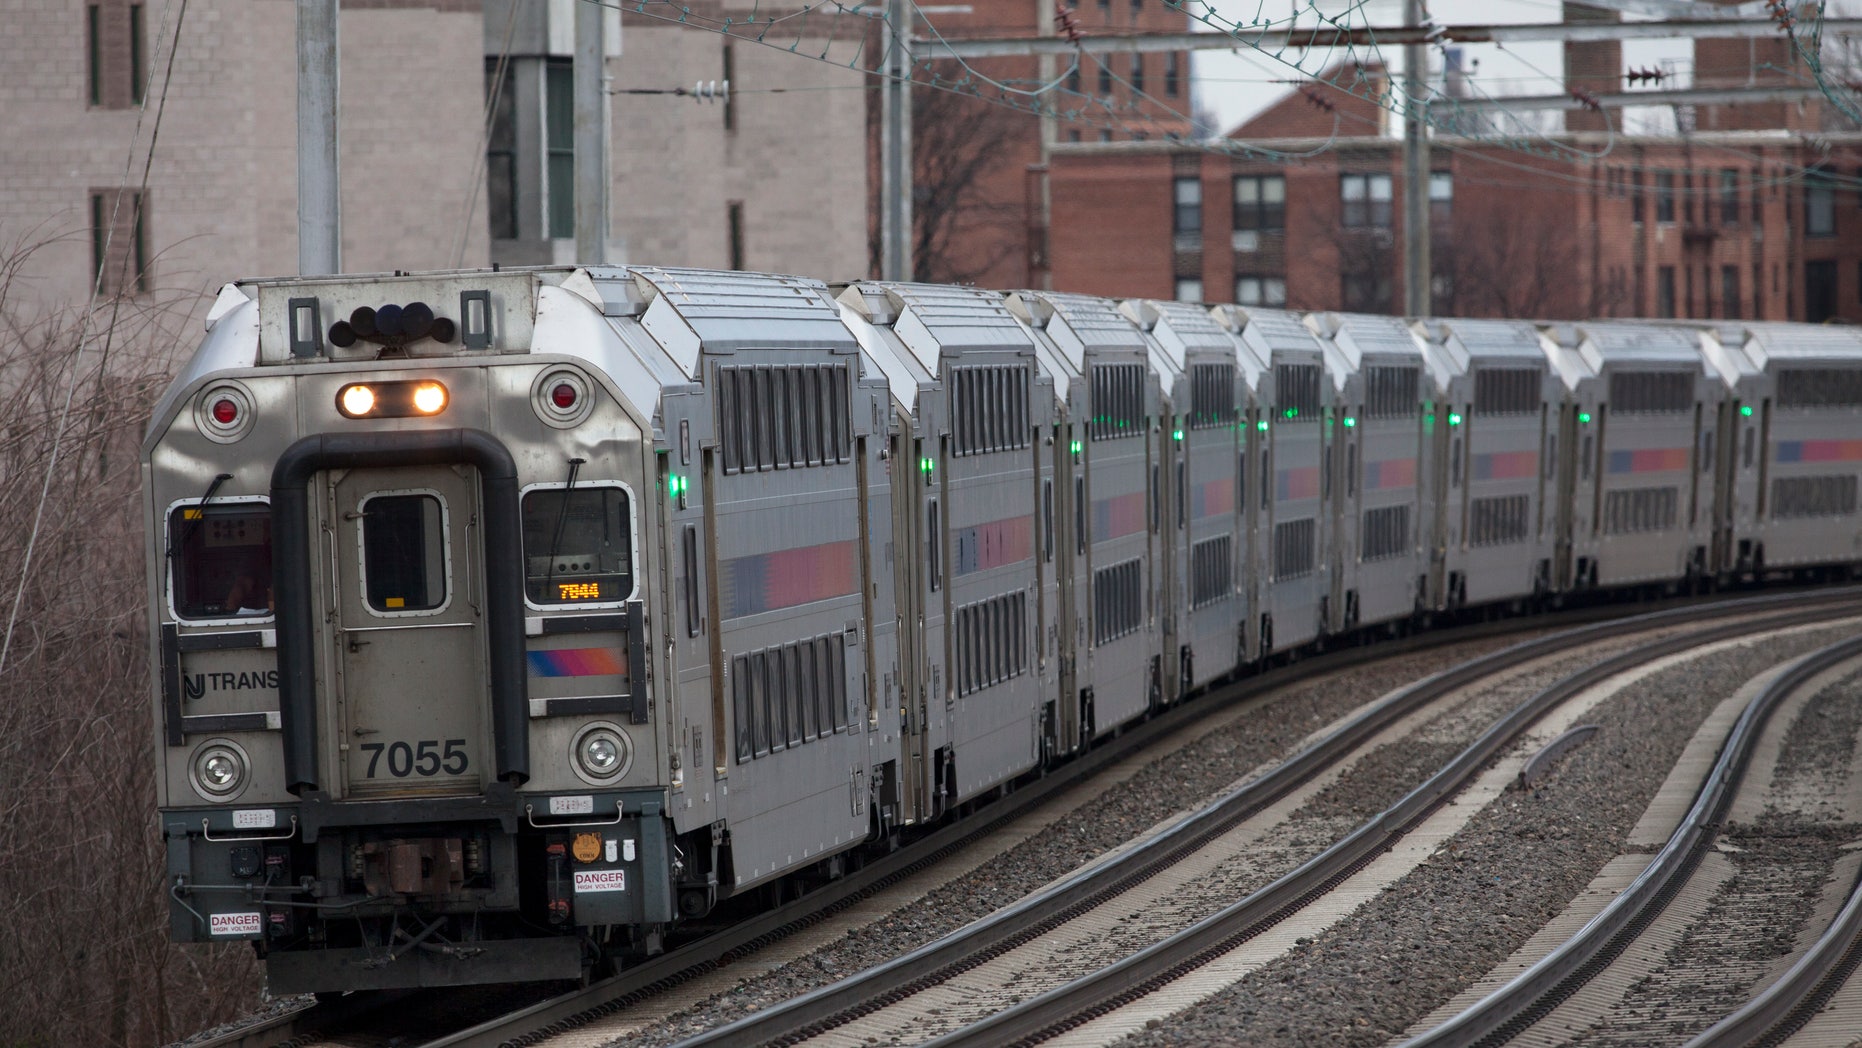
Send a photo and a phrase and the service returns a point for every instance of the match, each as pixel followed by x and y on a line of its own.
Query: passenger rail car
pixel 505 621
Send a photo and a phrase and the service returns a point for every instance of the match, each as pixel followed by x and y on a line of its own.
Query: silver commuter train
pixel 491 646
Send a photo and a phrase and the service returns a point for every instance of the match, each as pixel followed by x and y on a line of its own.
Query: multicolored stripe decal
pixel 1506 465
pixel 1214 499
pixel 786 578
pixel 1300 483
pixel 1820 451
pixel 1390 473
pixel 993 545
pixel 1118 515
pixel 578 662
pixel 1648 460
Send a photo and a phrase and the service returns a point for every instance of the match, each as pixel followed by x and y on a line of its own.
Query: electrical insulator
pixel 712 90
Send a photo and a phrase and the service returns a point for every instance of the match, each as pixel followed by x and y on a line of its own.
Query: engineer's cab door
pixel 408 630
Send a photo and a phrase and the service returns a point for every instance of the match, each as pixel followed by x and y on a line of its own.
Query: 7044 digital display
pixel 578 591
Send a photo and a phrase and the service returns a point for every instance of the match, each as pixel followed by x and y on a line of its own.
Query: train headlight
pixel 219 770
pixel 601 753
pixel 429 398
pixel 391 399
pixel 357 400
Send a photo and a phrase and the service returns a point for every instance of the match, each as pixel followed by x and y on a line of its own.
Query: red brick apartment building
pixel 1757 213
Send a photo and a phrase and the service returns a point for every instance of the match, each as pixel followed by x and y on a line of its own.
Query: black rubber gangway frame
pixel 503 566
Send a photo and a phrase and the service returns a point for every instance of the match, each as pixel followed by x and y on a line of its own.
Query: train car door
pixel 407 630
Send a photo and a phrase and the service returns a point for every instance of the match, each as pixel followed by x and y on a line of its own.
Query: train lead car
pixel 505 621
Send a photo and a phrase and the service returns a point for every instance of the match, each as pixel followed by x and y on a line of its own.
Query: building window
pixel 559 114
pixel 1664 196
pixel 1105 77
pixel 734 218
pixel 1073 79
pixel 1189 206
pixel 1441 197
pixel 1137 74
pixel 1173 74
pixel 1366 200
pixel 119 243
pixel 1665 291
pixel 1635 196
pixel 1819 206
pixel 1189 289
pixel 116 62
pixel 1729 292
pixel 501 153
pixel 1261 291
pixel 1729 197
pixel 1261 203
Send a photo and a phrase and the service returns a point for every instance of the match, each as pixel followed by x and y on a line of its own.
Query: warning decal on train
pixel 600 880
pixel 235 923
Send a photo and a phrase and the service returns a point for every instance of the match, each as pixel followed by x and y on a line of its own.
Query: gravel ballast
pixel 1515 866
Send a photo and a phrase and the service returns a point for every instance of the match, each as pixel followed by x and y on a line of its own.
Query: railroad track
pixel 1606 945
pixel 838 1004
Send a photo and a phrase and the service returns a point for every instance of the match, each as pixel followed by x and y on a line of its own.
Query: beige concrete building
pixel 773 179
pixel 220 199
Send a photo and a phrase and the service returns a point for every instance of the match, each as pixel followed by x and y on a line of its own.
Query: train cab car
pixel 459 680
pixel 1206 532
pixel 1797 426
pixel 1499 512
pixel 1384 501
pixel 972 451
pixel 1114 407
pixel 1640 504
pixel 1293 577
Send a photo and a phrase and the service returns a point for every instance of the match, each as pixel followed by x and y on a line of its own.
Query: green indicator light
pixel 1745 410
pixel 1292 412
pixel 1261 425
pixel 1584 417
pixel 1429 419
pixel 1350 423
pixel 1454 418
pixel 1076 447
pixel 1178 434
pixel 926 464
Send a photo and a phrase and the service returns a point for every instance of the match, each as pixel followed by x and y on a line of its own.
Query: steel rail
pixel 841 1002
pixel 1077 1002
pixel 1510 1010
pixel 614 994
pixel 1786 1005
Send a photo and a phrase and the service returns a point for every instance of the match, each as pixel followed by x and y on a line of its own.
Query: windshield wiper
pixel 200 514
pixel 562 519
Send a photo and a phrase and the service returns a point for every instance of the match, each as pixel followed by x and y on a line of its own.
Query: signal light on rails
pixel 391 399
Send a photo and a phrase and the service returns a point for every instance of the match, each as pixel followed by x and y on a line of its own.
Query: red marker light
pixel 563 396
pixel 225 412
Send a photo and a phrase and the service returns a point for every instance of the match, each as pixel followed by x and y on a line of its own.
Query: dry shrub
pixel 84 951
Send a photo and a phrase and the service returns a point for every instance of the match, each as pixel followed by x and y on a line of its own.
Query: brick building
pixel 1756 214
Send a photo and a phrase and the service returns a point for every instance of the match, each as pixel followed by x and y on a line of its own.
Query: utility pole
pixel 895 134
pixel 319 196
pixel 1415 169
pixel 591 136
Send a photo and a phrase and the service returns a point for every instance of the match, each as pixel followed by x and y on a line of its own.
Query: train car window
pixel 727 418
pixel 694 615
pixel 1551 454
pixel 1454 463
pixel 403 552
pixel 1706 452
pixel 935 546
pixel 220 560
pixel 1079 515
pixel 1156 495
pixel 1267 485
pixel 1183 495
pixel 1585 456
pixel 1047 521
pixel 742 700
pixel 578 545
pixel 1747 454
pixel 1351 471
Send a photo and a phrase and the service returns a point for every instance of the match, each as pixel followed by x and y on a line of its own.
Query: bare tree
pixel 84 950
pixel 968 214
pixel 1520 262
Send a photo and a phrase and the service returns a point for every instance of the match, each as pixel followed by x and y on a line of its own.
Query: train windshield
pixel 221 560
pixel 578 545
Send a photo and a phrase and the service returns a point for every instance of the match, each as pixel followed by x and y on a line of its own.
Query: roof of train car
pixel 1185 328
pixel 1268 331
pixel 1766 341
pixel 1604 343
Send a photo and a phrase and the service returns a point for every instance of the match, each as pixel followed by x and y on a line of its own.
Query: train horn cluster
pixel 392 326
